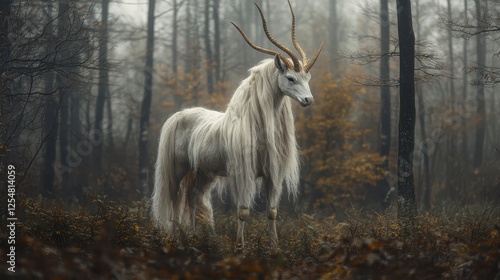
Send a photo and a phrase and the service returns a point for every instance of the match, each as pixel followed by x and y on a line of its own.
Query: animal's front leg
pixel 273 194
pixel 272 214
pixel 243 214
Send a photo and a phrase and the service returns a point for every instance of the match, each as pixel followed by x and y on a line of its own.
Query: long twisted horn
pixel 296 64
pixel 306 65
pixel 261 49
pixel 294 38
pixel 313 60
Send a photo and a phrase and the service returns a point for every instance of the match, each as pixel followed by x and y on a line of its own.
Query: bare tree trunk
pixel 333 25
pixel 78 177
pixel 109 124
pixel 385 98
pixel 50 122
pixel 188 60
pixel 102 90
pixel 50 131
pixel 64 93
pixel 193 54
pixel 452 61
pixel 242 17
pixel 64 135
pixel 208 50
pixel 175 52
pixel 146 102
pixel 465 149
pixel 5 47
pixel 480 97
pixel 217 38
pixel 5 84
pixel 406 187
pixel 175 32
pixel 425 179
pixel 451 165
pixel 109 102
pixel 127 133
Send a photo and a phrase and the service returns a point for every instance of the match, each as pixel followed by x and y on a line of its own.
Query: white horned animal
pixel 254 137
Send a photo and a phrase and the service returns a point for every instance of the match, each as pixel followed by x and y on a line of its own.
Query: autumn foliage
pixel 338 164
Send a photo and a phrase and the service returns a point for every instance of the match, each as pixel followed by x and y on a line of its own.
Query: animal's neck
pixel 266 95
pixel 279 98
pixel 257 94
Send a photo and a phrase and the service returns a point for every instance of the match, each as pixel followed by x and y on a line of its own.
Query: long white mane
pixel 257 132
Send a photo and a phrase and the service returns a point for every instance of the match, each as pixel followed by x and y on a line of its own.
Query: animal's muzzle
pixel 306 101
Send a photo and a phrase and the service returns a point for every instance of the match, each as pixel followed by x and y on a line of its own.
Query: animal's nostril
pixel 307 100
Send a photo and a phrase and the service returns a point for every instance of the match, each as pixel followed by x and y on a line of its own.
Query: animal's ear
pixel 279 64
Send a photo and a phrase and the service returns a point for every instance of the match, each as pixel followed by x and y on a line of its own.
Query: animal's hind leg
pixel 178 208
pixel 204 211
pixel 273 193
pixel 197 194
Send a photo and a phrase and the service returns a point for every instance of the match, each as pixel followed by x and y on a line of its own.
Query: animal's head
pixel 293 76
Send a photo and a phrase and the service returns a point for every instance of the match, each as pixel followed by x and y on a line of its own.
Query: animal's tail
pixel 165 201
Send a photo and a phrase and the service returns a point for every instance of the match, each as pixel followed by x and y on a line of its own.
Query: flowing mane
pixel 259 124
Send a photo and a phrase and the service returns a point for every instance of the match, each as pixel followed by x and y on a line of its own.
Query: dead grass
pixel 112 240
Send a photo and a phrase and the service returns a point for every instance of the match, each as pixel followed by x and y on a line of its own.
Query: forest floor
pixel 110 240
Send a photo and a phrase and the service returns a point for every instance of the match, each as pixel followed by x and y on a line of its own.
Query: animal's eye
pixel 290 79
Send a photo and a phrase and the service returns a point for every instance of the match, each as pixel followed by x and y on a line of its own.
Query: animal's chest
pixel 272 150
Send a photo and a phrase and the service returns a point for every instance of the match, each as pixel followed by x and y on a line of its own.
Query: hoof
pixel 275 249
pixel 238 249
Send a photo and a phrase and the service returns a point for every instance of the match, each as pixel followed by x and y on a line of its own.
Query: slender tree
pixel 51 121
pixel 425 180
pixel 451 62
pixel 175 51
pixel 465 147
pixel 5 48
pixel 406 187
pixel 209 59
pixel 146 101
pixel 103 87
pixel 480 97
pixel 175 32
pixel 451 165
pixel 109 124
pixel 385 96
pixel 64 91
pixel 189 41
pixel 217 42
pixel 333 23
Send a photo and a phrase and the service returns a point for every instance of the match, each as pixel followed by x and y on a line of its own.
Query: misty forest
pixel 390 169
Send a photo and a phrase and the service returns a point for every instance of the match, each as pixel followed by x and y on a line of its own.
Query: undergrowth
pixel 111 240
